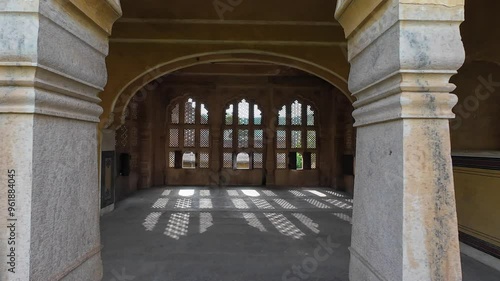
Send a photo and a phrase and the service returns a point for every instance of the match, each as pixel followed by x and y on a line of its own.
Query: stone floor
pixel 235 234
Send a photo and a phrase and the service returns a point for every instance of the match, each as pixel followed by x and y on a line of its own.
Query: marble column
pixel 52 66
pixel 402 55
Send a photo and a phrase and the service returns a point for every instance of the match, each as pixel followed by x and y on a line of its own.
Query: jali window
pixel 188 135
pixel 243 136
pixel 297 137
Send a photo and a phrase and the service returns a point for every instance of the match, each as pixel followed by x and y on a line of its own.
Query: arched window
pixel 189 135
pixel 189 160
pixel 243 136
pixel 243 161
pixel 296 137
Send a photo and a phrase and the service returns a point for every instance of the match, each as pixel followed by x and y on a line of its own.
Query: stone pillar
pixel 52 66
pixel 402 55
pixel 271 121
pixel 270 158
pixel 216 121
pixel 145 119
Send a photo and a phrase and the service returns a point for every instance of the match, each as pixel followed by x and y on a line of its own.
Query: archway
pixel 275 90
pixel 402 55
pixel 115 103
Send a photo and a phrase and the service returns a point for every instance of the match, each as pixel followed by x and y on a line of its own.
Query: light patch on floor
pixel 317 204
pixel 197 239
pixel 262 204
pixel 269 193
pixel 177 225
pixel 284 204
pixel 183 203
pixel 250 192
pixel 151 221
pixel 206 203
pixel 284 226
pixel 206 221
pixel 297 193
pixel 315 192
pixel 309 223
pixel 344 217
pixel 160 203
pixel 337 194
pixel 240 204
pixel 339 204
pixel 233 193
pixel 186 192
pixel 253 221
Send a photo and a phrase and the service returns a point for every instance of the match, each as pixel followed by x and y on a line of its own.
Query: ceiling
pixel 242 10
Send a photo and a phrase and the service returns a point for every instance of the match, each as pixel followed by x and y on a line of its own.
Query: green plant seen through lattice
pixel 300 161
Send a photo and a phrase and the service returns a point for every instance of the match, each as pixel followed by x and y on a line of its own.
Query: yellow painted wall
pixel 478 203
pixel 476 131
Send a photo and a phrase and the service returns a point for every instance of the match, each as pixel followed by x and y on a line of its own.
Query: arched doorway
pixel 243 102
pixel 115 103
pixel 402 56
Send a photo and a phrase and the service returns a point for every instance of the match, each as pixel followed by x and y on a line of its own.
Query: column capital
pixel 39 69
pixel 356 15
pixel 45 91
pixel 351 13
pixel 406 96
pixel 104 13
pixel 402 54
